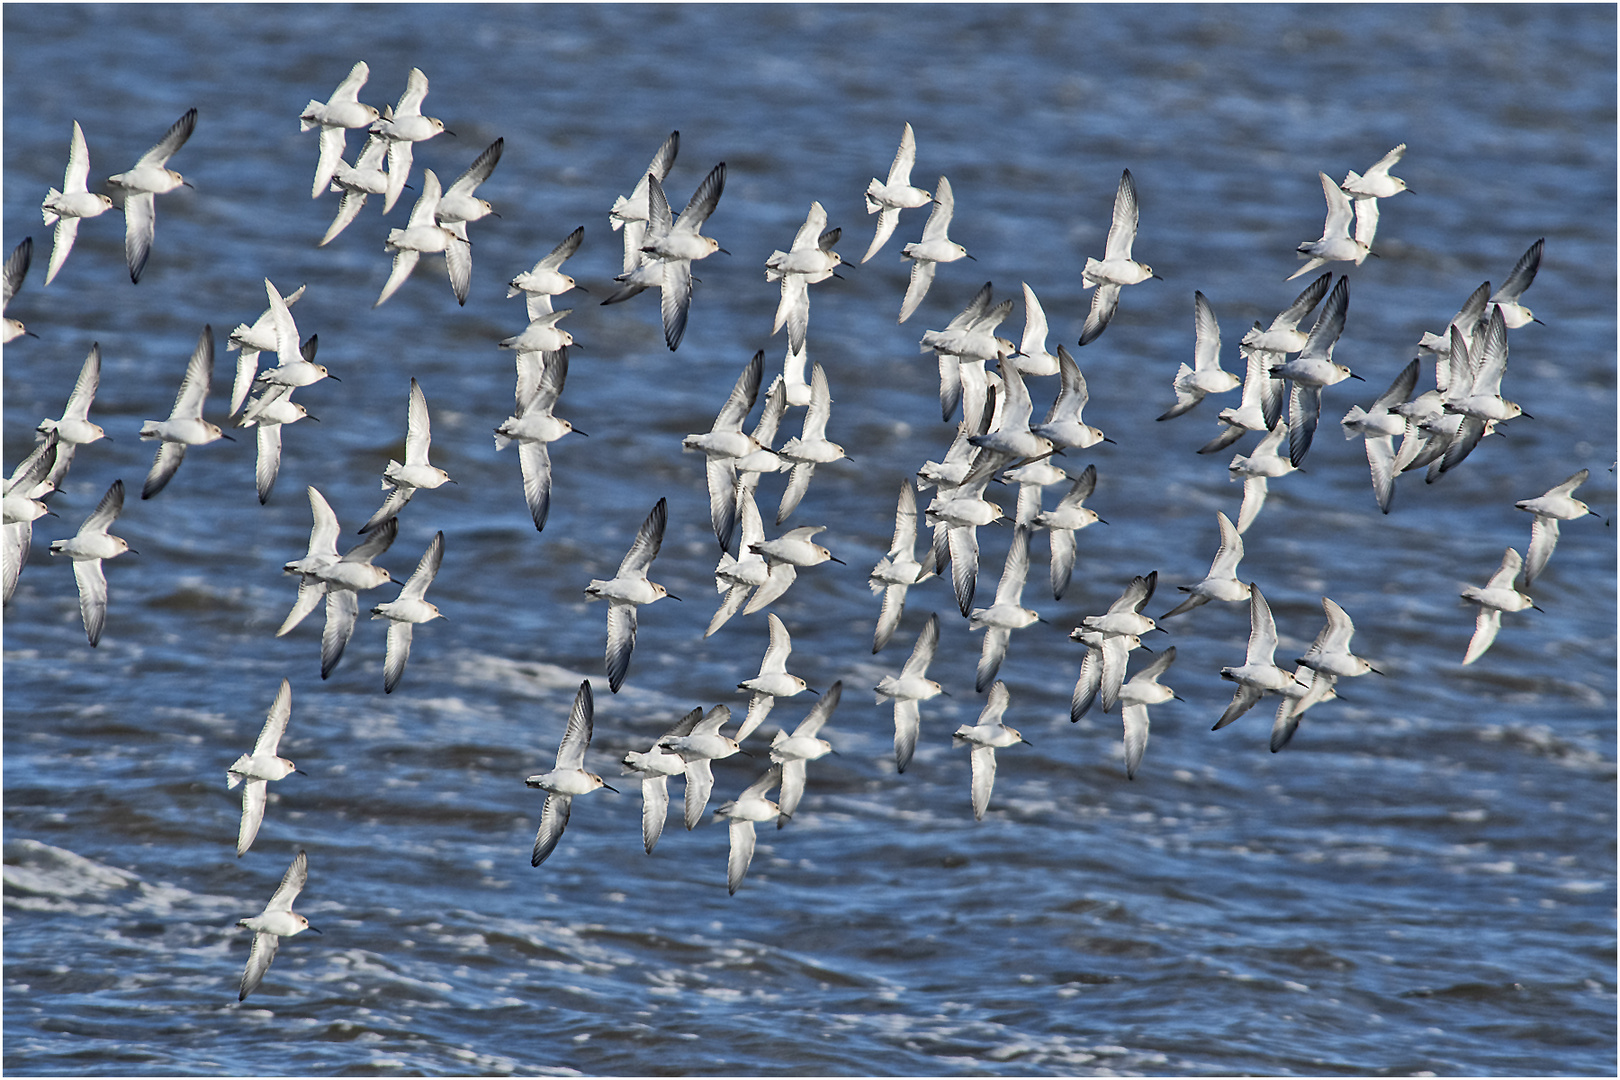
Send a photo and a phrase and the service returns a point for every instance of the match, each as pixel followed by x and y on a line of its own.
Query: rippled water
pixel 1424 879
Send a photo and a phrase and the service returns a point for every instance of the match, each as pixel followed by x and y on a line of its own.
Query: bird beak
pixel 225 436
pixel 308 416
pixel 722 251
pixel 672 596
pixel 316 929
pixel 1356 377
pixel 334 378
pixel 743 752
pixel 970 256
pixel 611 788
pixel 837 560
pixel 816 692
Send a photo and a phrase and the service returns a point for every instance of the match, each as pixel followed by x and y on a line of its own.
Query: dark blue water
pixel 1423 881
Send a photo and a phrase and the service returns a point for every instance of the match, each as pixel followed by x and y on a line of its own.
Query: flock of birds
pixel 997 439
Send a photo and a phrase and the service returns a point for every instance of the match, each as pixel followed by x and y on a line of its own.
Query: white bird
pixel 185 425
pixel 655 766
pixel 1330 652
pixel 149 178
pixel 274 923
pixel 628 589
pixel 1506 299
pixel 1007 614
pixel 542 335
pixel 1376 183
pixel 404 126
pixel 534 427
pixel 403 481
pixel 968 341
pixel 1134 697
pixel 792 752
pixel 295 364
pixel 783 557
pixel 1116 268
pixel 408 609
pixel 1377 427
pixel 11 281
pixel 1470 319
pixel 458 205
pixel 1010 435
pixel 335 116
pixel 24 492
pixel 1106 656
pixel 567 778
pixel 422 233
pixel 1336 243
pixel 670 246
pixel 742 812
pixel 323 574
pixel 1261 404
pixel 1284 334
pixel 735 578
pixel 985 736
pixel 1063 424
pixel 1122 622
pixel 899 569
pixel 267 414
pixel 74 429
pixel 367 176
pixel 887 198
pixel 811 448
pixel 1503 592
pixel 1258 675
pixel 1313 369
pixel 1143 689
pixel 321 554
pixel 1206 376
pixel 1266 461
pixel 810 260
pixel 908 688
pixel 723 444
pixel 752 465
pixel 629 212
pixel 263 336
pixel 1062 522
pixel 1221 583
pixel 773 680
pixel 956 514
pixel 698 747
pixel 546 279
pixel 1557 504
pixel 1475 391
pixel 1032 357
pixel 1298 696
pixel 255 771
pixel 66 208
pixel 934 248
pixel 87 548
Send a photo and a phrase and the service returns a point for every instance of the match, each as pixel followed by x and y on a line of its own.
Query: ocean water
pixel 1422 881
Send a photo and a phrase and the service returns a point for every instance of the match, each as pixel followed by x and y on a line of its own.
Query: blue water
pixel 1423 881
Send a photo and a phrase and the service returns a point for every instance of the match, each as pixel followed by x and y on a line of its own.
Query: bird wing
pixel 535 461
pixel 92 596
pixel 1104 302
pixel 140 220
pixel 577 736
pixel 484 164
pixel 172 140
pixel 264 951
pixel 742 853
pixel 1122 230
pixel 621 641
pixel 275 722
pixel 342 608
pixel 553 820
pixel 253 798
pixel 164 466
pixel 703 200
pixel 399 651
pixel 699 782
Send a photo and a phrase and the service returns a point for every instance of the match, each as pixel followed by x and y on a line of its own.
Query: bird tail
pixel 306 121
pixel 872 205
pixel 50 215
